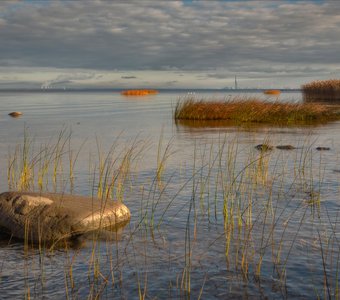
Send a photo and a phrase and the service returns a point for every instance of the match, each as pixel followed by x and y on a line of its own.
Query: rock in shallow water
pixel 15 114
pixel 285 147
pixel 323 148
pixel 51 217
pixel 264 147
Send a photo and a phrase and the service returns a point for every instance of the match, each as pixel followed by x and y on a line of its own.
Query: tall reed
pixel 322 91
pixel 236 216
pixel 252 110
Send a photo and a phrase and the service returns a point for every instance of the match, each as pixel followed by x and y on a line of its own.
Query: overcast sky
pixel 168 44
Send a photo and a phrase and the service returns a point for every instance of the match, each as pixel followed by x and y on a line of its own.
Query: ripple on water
pixel 158 256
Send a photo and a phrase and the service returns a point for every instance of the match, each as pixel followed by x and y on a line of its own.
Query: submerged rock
pixel 15 114
pixel 264 147
pixel 48 217
pixel 285 147
pixel 323 148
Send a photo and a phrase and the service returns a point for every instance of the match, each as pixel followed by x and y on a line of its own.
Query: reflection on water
pixel 332 98
pixel 207 123
pixel 107 234
pixel 227 221
pixel 247 126
pixel 112 234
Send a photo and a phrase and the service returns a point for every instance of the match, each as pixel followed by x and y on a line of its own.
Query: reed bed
pixel 322 91
pixel 253 110
pixel 139 92
pixel 272 92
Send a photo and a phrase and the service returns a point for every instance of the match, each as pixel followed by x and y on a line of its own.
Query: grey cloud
pixel 205 35
pixel 67 78
pixel 269 71
pixel 18 83
pixel 170 83
pixel 215 76
pixel 128 77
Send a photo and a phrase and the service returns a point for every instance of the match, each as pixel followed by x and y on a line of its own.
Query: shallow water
pixel 181 242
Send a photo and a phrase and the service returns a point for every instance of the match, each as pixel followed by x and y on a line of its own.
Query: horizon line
pixel 160 89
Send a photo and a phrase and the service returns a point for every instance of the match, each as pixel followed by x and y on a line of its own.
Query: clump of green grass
pixel 253 110
pixel 322 90
pixel 249 212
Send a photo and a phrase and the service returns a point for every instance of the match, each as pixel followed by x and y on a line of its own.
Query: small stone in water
pixel 323 148
pixel 264 147
pixel 285 147
pixel 15 114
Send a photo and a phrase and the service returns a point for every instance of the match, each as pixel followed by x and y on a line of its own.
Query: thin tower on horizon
pixel 235 82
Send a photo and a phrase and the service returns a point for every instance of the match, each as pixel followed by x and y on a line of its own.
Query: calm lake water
pixel 218 220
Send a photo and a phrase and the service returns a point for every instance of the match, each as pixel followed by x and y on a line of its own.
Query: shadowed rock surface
pixel 264 147
pixel 323 148
pixel 51 217
pixel 285 147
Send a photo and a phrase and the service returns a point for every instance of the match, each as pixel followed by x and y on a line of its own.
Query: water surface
pixel 283 243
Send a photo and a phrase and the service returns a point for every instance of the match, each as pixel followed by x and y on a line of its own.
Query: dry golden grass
pixel 272 92
pixel 322 90
pixel 242 110
pixel 139 92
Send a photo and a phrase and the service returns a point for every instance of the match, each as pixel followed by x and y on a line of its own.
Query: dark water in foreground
pixel 214 220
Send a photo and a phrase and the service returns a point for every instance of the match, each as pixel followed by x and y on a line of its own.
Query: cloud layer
pixel 218 39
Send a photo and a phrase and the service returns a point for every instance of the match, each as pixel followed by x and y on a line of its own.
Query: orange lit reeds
pixel 240 110
pixel 272 92
pixel 322 90
pixel 139 92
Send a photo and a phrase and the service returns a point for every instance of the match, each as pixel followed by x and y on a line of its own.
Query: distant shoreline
pixel 118 90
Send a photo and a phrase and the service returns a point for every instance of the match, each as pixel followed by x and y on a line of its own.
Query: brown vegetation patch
pixel 139 92
pixel 272 92
pixel 241 110
pixel 322 91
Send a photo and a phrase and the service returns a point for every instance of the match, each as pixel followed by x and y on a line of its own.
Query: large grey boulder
pixel 48 217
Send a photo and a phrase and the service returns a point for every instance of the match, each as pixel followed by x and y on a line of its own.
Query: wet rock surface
pixel 51 217
pixel 285 147
pixel 323 148
pixel 264 147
